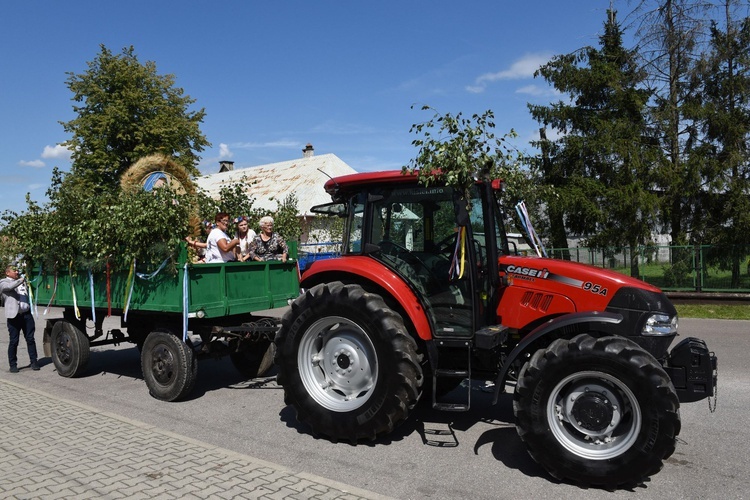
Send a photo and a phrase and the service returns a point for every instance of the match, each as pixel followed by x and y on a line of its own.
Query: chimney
pixel 308 151
pixel 226 166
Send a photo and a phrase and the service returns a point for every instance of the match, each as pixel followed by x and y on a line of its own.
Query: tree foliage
pixel 670 33
pixel 722 109
pixel 234 200
pixel 125 110
pixel 93 230
pixel 455 150
pixel 286 220
pixel 602 168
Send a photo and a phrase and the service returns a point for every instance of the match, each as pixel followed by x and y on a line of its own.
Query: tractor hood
pixel 580 283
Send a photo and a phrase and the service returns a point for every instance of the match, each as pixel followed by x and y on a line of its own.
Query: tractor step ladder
pixel 450 362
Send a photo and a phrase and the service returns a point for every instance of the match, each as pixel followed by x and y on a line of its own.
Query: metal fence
pixel 700 268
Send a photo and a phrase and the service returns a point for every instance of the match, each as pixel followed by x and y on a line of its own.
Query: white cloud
pixel 57 151
pixel 32 163
pixel 283 144
pixel 520 69
pixel 224 151
pixel 537 91
pixel 34 187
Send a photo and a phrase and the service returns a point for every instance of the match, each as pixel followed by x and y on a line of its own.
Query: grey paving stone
pixel 56 448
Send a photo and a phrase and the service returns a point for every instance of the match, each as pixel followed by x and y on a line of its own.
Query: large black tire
pixel 69 348
pixel 347 364
pixel 169 366
pixel 598 412
pixel 254 359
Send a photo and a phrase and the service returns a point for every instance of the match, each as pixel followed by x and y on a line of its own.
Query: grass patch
pixel 714 311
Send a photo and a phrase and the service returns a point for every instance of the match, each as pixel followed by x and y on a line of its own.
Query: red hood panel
pixel 539 287
pixel 568 273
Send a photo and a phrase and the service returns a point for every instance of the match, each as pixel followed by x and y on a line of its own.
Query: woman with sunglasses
pixel 219 247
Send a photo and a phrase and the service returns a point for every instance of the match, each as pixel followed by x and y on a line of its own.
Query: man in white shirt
pixel 18 313
pixel 219 247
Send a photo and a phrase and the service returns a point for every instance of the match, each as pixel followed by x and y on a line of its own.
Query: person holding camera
pixel 17 308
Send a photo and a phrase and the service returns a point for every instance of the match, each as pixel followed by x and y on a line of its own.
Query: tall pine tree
pixel 602 166
pixel 722 109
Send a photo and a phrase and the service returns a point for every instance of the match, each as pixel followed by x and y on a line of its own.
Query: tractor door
pixel 490 242
pixel 416 232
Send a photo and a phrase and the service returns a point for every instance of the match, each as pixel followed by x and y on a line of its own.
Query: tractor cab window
pixel 353 238
pixel 415 232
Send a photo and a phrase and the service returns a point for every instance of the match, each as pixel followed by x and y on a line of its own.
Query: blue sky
pixel 275 75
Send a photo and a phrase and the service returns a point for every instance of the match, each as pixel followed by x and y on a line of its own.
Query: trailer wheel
pixel 169 366
pixel 598 412
pixel 254 359
pixel 70 349
pixel 347 363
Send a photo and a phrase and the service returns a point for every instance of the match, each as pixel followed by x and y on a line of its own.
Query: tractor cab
pixel 443 247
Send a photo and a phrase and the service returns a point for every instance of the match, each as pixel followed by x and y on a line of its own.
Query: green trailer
pixel 163 310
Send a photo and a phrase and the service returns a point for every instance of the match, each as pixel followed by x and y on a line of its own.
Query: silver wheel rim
pixel 616 435
pixel 337 364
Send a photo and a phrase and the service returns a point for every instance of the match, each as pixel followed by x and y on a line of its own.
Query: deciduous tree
pixel 456 150
pixel 124 111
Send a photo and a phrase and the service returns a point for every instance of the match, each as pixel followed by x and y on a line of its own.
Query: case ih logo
pixel 529 271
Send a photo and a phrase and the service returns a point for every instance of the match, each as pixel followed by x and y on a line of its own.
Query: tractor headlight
pixel 658 325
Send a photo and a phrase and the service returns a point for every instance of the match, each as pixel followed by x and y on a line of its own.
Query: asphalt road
pixel 490 461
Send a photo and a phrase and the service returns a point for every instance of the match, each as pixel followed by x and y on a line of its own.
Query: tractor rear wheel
pixel 598 412
pixel 347 364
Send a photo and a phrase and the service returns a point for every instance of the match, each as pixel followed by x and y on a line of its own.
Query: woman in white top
pixel 219 247
pixel 245 237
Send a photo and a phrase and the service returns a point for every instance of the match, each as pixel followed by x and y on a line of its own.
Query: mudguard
pixel 371 270
pixel 605 321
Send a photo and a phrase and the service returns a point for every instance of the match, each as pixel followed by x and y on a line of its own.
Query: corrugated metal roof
pixel 304 177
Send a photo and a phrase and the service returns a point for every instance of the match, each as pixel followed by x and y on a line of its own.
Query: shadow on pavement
pixel 213 373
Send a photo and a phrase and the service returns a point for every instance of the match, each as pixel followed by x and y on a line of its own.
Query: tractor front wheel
pixel 599 412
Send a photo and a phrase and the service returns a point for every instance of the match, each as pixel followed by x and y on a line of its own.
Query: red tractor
pixel 428 292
